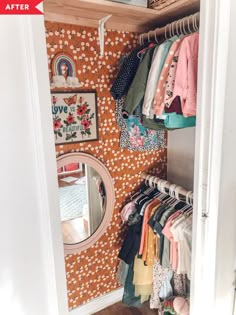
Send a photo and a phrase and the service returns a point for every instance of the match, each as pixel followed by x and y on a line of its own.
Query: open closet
pixel 59 69
pixel 97 36
pixel 90 33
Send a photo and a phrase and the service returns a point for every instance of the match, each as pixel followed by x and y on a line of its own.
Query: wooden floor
pixel 120 309
pixel 74 231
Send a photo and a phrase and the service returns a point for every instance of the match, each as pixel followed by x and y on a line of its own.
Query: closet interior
pixel 155 94
pixel 155 256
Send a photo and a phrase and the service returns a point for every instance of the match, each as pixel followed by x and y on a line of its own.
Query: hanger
pixel 170 30
pixel 146 179
pixel 166 31
pixel 189 29
pixel 195 26
pixel 191 198
pixel 177 191
pixel 156 181
pixel 176 29
pixel 162 185
pixel 155 35
pixel 173 28
pixel 150 181
pixel 148 36
pixel 188 196
pixel 183 25
pixel 140 40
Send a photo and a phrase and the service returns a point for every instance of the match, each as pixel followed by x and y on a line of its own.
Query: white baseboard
pixel 99 303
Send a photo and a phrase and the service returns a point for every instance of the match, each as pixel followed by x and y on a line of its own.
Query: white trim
pixel 99 303
pixel 209 162
pixel 39 91
pixel 99 167
pixel 33 272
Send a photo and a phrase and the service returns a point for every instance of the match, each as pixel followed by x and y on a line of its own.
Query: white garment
pixel 182 233
pixel 152 81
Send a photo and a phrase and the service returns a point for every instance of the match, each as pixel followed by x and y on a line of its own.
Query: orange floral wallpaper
pixel 92 273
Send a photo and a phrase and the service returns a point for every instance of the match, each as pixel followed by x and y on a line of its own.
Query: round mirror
pixel 86 196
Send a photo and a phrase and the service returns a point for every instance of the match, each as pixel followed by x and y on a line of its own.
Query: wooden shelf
pixel 124 17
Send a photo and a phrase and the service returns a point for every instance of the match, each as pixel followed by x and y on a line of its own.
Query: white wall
pixel 180 157
pixel 32 272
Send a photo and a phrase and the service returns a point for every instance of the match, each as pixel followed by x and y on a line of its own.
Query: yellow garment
pixel 143 278
pixel 150 251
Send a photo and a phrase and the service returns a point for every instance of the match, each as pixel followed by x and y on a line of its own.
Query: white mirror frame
pixel 93 162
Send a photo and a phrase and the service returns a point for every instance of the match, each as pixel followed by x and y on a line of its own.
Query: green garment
pixel 171 121
pixel 137 89
pixel 129 297
pixel 175 121
pixel 164 50
pixel 151 124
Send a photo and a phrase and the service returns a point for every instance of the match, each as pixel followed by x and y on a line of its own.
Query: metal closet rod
pixel 184 26
pixel 166 187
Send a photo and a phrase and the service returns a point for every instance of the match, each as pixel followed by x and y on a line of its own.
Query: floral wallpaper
pixel 92 273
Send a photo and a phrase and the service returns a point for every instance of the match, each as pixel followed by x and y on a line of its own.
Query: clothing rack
pixel 166 187
pixel 184 26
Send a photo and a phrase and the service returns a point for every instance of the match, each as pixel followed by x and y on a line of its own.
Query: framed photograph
pixel 74 116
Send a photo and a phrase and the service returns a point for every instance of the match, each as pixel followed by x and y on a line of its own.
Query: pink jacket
pixel 186 75
pixel 160 90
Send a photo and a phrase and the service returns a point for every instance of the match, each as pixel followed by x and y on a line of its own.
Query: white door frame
pixel 214 233
pixel 32 268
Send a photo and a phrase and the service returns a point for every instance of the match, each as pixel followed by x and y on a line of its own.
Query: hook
pixel 148 36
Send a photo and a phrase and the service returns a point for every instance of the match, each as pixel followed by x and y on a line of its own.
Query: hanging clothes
pixel 158 245
pixel 175 121
pixel 159 276
pixel 126 74
pixel 143 278
pixel 186 75
pixel 159 97
pixel 134 135
pixel 136 91
pixel 154 75
pixel 129 297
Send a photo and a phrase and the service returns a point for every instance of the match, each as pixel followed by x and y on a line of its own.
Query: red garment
pixel 175 107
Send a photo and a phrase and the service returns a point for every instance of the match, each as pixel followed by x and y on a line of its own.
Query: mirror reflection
pixel 82 198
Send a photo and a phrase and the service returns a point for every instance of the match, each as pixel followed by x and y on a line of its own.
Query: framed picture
pixel 74 116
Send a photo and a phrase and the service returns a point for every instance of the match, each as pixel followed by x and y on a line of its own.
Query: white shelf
pixel 124 17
